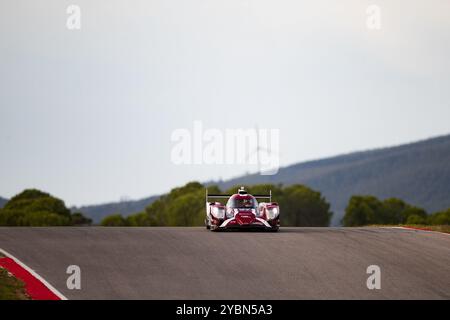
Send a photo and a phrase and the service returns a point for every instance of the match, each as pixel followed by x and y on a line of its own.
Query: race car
pixel 242 211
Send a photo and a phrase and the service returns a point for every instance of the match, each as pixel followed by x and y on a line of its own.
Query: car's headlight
pixel 219 213
pixel 272 213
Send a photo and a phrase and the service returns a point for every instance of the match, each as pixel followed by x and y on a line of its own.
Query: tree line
pixel 37 209
pixel 185 206
pixel 368 210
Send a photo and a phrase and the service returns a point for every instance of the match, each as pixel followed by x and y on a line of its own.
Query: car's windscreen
pixel 242 203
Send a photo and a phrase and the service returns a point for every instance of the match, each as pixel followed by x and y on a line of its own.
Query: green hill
pixel 3 201
pixel 98 212
pixel 418 173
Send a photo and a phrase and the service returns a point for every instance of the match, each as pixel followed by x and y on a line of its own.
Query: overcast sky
pixel 88 114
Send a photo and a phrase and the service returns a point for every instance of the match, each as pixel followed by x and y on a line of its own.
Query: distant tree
pixel 440 218
pixel 13 218
pixel 302 206
pixel 39 219
pixel 139 219
pixel 156 212
pixel 187 210
pixel 392 212
pixel 32 200
pixel 396 211
pixel 188 188
pixel 367 210
pixel 299 205
pixel 414 214
pixel 362 210
pixel 416 219
pixel 182 206
pixel 78 219
pixel 35 208
pixel 114 220
pixel 27 195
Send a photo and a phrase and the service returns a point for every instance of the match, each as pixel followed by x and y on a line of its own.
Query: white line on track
pixel 415 229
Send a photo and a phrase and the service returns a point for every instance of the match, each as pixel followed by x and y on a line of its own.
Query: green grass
pixel 440 228
pixel 11 288
pixel 443 228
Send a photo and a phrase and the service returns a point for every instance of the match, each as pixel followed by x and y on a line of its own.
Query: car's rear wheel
pixel 207 224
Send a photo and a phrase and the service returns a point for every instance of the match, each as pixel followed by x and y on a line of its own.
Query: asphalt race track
pixel 193 263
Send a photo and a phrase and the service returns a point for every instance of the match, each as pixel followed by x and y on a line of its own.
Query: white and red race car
pixel 242 211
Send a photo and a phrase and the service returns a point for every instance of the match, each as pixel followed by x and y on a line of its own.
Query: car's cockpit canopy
pixel 242 202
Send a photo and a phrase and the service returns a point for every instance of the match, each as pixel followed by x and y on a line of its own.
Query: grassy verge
pixel 442 228
pixel 11 288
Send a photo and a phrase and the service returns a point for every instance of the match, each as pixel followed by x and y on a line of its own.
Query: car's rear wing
pixel 226 196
